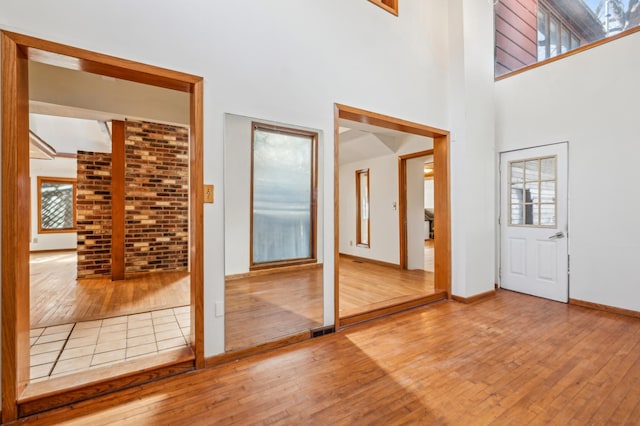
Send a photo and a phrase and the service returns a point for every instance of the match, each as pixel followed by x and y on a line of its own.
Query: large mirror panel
pixel 273 233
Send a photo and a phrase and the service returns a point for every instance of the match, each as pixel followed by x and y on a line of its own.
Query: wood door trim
pixel 16 50
pixel 394 308
pixel 442 246
pixel 402 202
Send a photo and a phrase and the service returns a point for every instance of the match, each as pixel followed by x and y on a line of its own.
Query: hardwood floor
pixel 263 308
pixel 366 286
pixel 57 297
pixel 428 255
pixel 510 359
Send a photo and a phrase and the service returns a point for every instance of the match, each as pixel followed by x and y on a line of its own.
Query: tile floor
pixel 70 348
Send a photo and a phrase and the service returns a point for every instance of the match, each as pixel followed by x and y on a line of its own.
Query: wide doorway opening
pixel 79 271
pixel 381 216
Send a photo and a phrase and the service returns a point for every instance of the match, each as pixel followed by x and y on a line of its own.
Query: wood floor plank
pixel 511 359
pixel 57 297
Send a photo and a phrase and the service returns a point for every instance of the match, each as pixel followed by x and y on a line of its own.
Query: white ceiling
pixel 361 141
pixel 70 135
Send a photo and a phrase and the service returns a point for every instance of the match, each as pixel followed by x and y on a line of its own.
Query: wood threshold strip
pixel 367 260
pixel 569 53
pixel 474 298
pixel 263 272
pixel 392 309
pixel 68 389
pixel 605 308
pixel 237 354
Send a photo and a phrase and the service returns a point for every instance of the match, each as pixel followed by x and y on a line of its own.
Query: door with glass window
pixel 534 221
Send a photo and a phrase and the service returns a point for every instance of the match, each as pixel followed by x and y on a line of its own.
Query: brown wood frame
pixel 17 50
pixel 442 221
pixel 359 242
pixel 43 179
pixel 390 6
pixel 255 125
pixel 118 200
pixel 402 201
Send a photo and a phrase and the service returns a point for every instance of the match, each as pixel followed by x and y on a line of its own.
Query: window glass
pixel 282 195
pixel 541 29
pixel 565 40
pixel 542 35
pixel 57 199
pixel 362 210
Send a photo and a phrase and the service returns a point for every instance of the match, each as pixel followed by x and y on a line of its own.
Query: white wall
pixel 591 101
pixel 290 60
pixel 237 199
pixel 473 214
pixel 428 194
pixel 60 167
pixel 383 220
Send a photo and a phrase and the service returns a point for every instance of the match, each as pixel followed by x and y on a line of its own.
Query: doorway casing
pixel 17 50
pixel 442 221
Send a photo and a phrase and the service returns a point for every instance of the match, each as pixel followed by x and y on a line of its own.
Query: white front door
pixel 533 221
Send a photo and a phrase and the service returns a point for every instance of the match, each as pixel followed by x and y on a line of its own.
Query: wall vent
pixel 321 331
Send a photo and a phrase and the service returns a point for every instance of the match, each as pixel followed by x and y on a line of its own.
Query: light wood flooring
pixel 510 359
pixel 428 255
pixel 57 297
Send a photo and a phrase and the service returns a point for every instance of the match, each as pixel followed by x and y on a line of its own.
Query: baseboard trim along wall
pixel 475 298
pixel 605 308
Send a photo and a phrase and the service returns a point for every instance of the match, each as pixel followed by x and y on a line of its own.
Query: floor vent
pixel 321 331
pixel 358 261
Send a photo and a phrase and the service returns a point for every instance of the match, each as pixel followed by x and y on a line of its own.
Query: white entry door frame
pixel 534 221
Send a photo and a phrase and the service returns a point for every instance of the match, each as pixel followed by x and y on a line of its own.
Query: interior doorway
pixel 388 127
pixel 17 51
pixel 417 208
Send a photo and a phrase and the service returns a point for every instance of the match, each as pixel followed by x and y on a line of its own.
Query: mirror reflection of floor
pixel 263 308
pixel 367 286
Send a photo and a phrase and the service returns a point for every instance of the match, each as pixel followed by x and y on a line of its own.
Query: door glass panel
pixel 548 168
pixel 532 170
pixel 517 193
pixel 548 214
pixel 517 172
pixel 528 214
pixel 532 198
pixel 531 192
pixel 548 192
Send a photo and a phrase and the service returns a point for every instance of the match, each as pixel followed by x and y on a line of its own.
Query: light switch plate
pixel 208 193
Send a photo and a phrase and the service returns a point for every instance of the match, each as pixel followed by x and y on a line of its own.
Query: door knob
pixel 558 235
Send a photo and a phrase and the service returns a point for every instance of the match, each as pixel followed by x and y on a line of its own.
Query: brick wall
pixel 93 205
pixel 156 202
pixel 157 197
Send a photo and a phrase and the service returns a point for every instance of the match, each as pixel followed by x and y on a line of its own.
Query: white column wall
pixel 473 174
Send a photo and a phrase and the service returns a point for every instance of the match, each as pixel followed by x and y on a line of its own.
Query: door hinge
pixel 499 220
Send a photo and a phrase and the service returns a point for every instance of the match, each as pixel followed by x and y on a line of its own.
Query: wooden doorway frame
pixel 442 260
pixel 402 202
pixel 17 50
